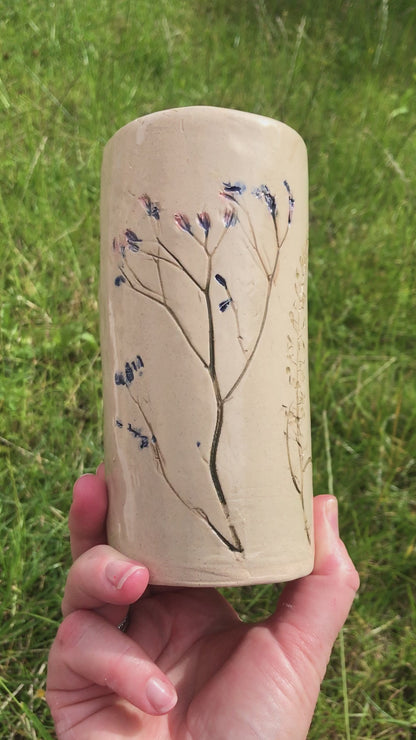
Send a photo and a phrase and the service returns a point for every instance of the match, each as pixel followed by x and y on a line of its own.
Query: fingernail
pixel 327 539
pixel 117 572
pixel 331 514
pixel 78 481
pixel 161 695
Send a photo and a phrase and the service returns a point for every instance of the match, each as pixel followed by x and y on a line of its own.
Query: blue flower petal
pixel 221 280
pixel 224 305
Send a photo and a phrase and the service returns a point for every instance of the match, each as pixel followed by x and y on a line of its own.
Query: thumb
pixel 312 610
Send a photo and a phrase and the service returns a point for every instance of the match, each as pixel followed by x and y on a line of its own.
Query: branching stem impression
pixel 132 249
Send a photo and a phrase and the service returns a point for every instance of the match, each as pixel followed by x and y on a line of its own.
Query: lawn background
pixel 344 75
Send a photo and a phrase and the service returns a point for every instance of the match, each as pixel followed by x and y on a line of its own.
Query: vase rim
pixel 204 111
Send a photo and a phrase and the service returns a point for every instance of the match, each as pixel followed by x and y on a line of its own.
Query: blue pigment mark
pixel 221 280
pixel 133 240
pixel 154 440
pixel 183 222
pixel 198 444
pixel 119 423
pixel 119 280
pixel 271 204
pixel 204 221
pixel 291 207
pixel 137 434
pixel 131 236
pixel 137 364
pixel 224 305
pixel 237 187
pixel 263 192
pixel 130 368
pixel 230 218
pixel 152 209
pixel 291 201
pixel 129 373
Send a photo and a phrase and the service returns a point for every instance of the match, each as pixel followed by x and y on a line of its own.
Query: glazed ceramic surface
pixel 204 224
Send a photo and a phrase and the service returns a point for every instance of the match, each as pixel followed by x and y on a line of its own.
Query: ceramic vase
pixel 203 305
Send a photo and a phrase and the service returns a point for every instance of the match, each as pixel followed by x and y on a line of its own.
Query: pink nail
pixel 117 572
pixel 331 515
pixel 161 695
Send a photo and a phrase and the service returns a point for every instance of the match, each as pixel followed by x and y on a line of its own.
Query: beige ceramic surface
pixel 204 223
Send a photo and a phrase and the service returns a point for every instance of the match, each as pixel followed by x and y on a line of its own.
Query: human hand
pixel 188 668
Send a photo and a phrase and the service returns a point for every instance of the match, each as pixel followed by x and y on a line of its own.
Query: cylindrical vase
pixel 203 305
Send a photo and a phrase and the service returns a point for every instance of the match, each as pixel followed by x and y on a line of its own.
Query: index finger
pixel 88 513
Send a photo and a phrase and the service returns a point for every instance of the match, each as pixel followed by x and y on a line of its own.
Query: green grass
pixel 344 75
